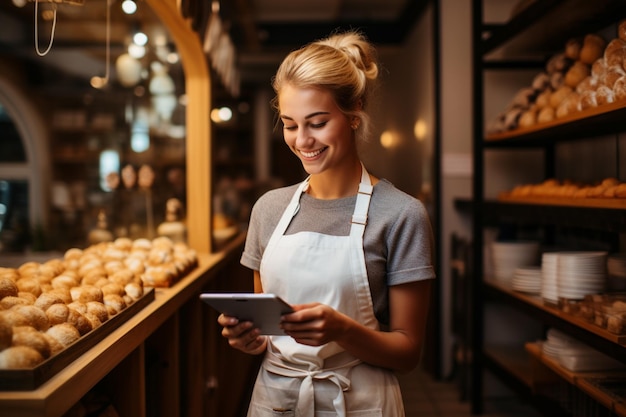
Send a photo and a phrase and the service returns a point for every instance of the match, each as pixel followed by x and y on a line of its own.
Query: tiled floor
pixel 425 397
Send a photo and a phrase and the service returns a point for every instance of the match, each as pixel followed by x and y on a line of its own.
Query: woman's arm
pixel 398 349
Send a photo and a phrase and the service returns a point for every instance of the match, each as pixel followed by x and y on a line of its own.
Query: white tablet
pixel 264 310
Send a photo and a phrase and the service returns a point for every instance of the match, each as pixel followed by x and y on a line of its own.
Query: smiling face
pixel 316 130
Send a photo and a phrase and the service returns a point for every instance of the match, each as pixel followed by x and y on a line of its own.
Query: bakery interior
pixel 133 144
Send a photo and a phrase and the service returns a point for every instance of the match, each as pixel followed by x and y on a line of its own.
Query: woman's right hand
pixel 242 335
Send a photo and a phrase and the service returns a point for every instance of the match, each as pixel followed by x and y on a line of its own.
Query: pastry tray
pixel 30 379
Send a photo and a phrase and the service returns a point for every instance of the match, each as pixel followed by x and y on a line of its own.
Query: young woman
pixel 349 251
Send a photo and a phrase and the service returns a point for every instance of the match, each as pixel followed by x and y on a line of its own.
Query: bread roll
pixel 11 301
pixel 612 75
pixel 527 119
pixel 559 95
pixel 588 100
pixel 55 345
pixel 65 333
pixel 64 281
pixel 79 321
pixel 114 304
pixel 7 288
pixel 604 95
pixel 545 115
pixel 30 298
pixel 57 313
pixel 20 357
pixel 619 88
pixel 134 290
pixel 592 49
pixel 572 48
pixel 98 309
pixel 576 74
pixel 46 299
pixel 6 332
pixel 86 293
pixel 112 288
pixel 35 316
pixel 614 52
pixel 30 285
pixel 31 337
pixel 14 318
pixel 123 243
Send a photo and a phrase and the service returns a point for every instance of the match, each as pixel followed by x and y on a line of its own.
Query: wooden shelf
pixel 544 26
pixel 513 360
pixel 597 337
pixel 57 395
pixel 582 380
pixel 591 122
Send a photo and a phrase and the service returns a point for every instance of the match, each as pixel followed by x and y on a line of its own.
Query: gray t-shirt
pixel 397 239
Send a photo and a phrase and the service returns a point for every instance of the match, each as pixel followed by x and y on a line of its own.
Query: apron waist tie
pixel 306 395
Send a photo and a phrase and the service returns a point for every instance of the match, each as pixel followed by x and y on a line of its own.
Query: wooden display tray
pixel 604 203
pixel 29 379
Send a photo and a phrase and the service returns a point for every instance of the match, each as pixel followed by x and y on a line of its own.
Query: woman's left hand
pixel 314 324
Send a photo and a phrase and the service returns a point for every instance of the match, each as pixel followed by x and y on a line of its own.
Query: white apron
pixel 316 381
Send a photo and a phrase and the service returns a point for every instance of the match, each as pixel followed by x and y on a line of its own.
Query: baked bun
pixel 31 337
pixel 576 74
pixel 55 345
pixel 35 316
pixel 592 49
pixel 546 115
pixel 114 304
pixel 57 313
pixel 604 95
pixel 7 288
pixel 134 290
pixel 12 301
pixel 46 299
pixel 86 293
pixel 572 49
pixel 619 88
pixel 6 332
pixel 20 357
pixel 64 333
pixel 98 309
pixel 79 321
pixel 30 285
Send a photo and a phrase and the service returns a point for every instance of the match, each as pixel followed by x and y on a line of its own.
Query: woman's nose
pixel 303 138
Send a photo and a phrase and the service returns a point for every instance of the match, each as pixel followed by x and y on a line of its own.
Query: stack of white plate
pixel 527 279
pixel 581 273
pixel 616 272
pixel 575 355
pixel 507 256
pixel 549 274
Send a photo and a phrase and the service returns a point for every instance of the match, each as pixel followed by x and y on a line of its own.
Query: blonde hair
pixel 345 64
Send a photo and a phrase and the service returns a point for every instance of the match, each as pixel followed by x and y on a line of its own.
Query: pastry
pixel 65 333
pixel 588 100
pixel 20 357
pixel 11 301
pixel 572 48
pixel 35 316
pixel 79 321
pixel 576 73
pixel 8 288
pixel 98 309
pixel 543 98
pixel 619 88
pixel 57 313
pixel 114 304
pixel 546 114
pixel 559 95
pixel 30 285
pixel 604 95
pixel 6 332
pixel 46 299
pixel 31 337
pixel 614 52
pixel 592 49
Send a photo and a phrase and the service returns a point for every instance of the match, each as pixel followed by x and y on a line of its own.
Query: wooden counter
pixel 126 346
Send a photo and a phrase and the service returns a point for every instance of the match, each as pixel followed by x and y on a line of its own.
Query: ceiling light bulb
pixel 129 6
pixel 140 38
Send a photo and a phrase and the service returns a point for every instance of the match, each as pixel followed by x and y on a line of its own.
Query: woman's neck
pixel 334 184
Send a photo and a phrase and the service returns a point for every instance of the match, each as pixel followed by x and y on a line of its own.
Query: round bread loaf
pixel 36 317
pixel 20 357
pixel 57 313
pixel 7 288
pixel 6 332
pixel 65 333
pixel 98 309
pixel 31 337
